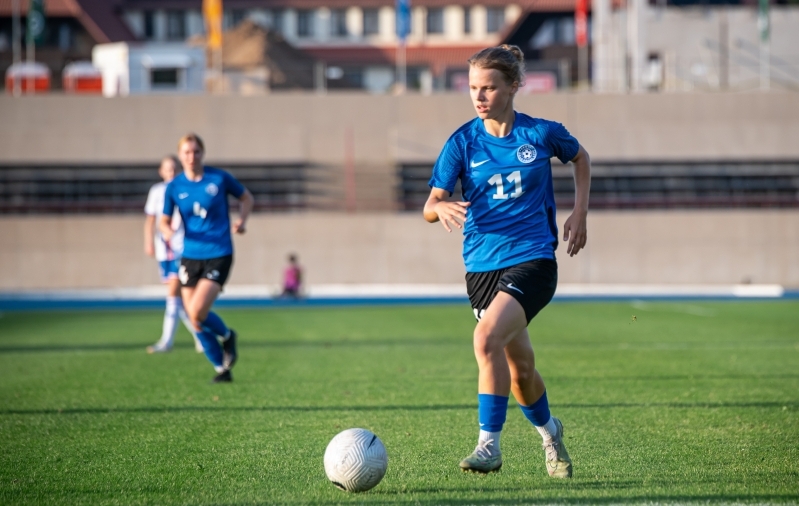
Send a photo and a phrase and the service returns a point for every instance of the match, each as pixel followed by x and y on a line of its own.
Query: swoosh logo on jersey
pixel 183 195
pixel 511 287
pixel 478 163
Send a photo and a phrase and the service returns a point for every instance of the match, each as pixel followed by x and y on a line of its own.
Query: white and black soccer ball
pixel 355 460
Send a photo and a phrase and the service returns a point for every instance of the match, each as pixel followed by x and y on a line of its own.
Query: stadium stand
pixel 664 185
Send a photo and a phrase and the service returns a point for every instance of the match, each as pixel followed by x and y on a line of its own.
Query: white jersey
pixel 155 207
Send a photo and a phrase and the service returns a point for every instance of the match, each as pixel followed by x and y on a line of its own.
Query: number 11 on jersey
pixel 514 177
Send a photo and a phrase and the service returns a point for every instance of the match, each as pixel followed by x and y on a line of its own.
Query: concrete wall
pixel 386 130
pixel 660 247
pixel 628 247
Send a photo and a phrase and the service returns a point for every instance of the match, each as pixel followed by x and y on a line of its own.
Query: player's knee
pixel 196 317
pixel 202 313
pixel 486 342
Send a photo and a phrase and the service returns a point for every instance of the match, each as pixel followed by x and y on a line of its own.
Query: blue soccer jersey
pixel 508 181
pixel 204 209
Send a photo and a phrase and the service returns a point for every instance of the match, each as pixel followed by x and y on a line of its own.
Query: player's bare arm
pixel 575 230
pixel 246 202
pixel 165 226
pixel 149 232
pixel 450 214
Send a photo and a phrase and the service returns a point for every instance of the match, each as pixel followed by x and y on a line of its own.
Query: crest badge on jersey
pixel 526 153
pixel 211 189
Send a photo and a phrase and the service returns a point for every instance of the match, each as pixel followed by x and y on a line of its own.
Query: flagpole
pixel 402 66
pixel 17 44
pixel 765 36
pixel 31 52
pixel 402 12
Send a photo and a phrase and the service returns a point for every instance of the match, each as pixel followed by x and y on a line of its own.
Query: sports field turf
pixel 691 402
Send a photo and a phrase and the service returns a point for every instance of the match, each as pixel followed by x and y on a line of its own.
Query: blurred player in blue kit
pixel 167 253
pixel 510 236
pixel 200 195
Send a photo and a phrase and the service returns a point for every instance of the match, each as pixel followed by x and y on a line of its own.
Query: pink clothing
pixel 291 278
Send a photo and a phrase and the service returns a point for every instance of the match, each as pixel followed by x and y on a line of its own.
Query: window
pixel 304 23
pixel 277 20
pixel 435 20
pixel 566 34
pixel 467 19
pixel 495 19
pixel 338 23
pixel 64 37
pixel 164 78
pixel 149 25
pixel 237 16
pixel 175 25
pixel 371 22
pixel 545 36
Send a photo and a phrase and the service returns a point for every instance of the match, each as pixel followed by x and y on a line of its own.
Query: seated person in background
pixel 292 278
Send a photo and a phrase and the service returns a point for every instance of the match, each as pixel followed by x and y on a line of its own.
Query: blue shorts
pixel 168 269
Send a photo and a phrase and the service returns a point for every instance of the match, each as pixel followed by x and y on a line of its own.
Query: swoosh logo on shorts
pixel 478 163
pixel 511 287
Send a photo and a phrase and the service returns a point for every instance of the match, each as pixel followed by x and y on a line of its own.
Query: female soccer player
pixel 200 194
pixel 510 236
pixel 168 256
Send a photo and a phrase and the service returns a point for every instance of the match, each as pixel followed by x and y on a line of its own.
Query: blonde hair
pixel 508 59
pixel 173 159
pixel 191 138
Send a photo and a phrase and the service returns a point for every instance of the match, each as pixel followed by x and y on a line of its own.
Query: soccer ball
pixel 355 460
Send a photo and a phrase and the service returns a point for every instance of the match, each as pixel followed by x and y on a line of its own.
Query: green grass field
pixel 692 402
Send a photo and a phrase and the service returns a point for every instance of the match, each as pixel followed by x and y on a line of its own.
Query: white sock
pixel 170 322
pixel 493 437
pixel 219 368
pixel 548 430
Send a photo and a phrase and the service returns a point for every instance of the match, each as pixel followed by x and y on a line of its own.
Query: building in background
pixel 663 47
pixel 72 29
pixel 151 67
pixel 355 40
pixel 635 45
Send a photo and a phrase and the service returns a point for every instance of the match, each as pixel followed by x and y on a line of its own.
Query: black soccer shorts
pixel 215 269
pixel 531 283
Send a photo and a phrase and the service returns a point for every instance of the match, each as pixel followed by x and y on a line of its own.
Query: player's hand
pixel 575 231
pixel 452 213
pixel 167 235
pixel 239 227
pixel 149 250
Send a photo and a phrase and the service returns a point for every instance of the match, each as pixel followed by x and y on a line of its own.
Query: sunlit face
pixel 491 95
pixel 167 170
pixel 191 155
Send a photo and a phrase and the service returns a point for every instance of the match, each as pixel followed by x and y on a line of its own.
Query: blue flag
pixel 403 9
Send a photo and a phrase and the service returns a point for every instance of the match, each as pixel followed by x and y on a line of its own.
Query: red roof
pixel 66 8
pixel 101 18
pixel 530 5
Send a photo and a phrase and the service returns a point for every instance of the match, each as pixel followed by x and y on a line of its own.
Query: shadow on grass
pixel 434 407
pixel 55 348
pixel 368 342
pixel 526 497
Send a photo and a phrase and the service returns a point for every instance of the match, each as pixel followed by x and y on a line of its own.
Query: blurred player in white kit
pixel 168 256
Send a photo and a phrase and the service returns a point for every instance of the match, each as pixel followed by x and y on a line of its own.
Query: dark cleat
pixel 229 354
pixel 223 377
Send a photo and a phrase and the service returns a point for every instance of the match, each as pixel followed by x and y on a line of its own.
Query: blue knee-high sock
pixel 492 411
pixel 211 347
pixel 215 324
pixel 537 412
